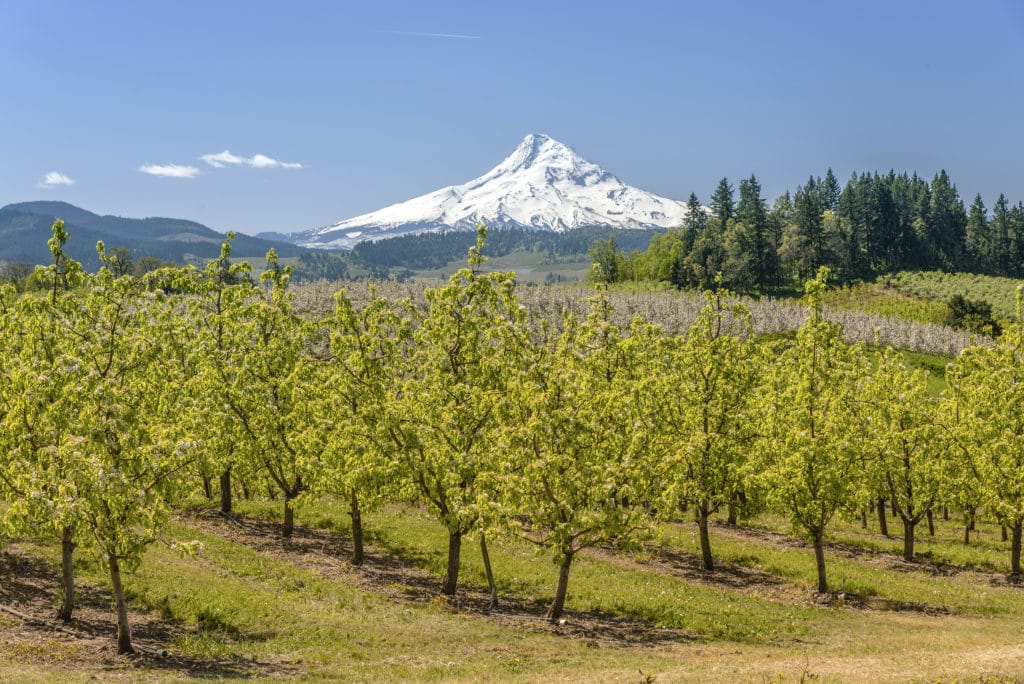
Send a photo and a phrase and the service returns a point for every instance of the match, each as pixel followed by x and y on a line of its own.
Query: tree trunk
pixel 973 513
pixel 819 557
pixel 558 604
pixel 908 539
pixel 289 518
pixel 357 529
pixel 124 635
pixel 490 574
pixel 207 488
pixel 967 534
pixel 225 490
pixel 245 491
pixel 945 513
pixel 1003 536
pixel 883 524
pixel 731 508
pixel 931 523
pixel 863 519
pixel 451 578
pixel 1015 573
pixel 67 550
pixel 705 539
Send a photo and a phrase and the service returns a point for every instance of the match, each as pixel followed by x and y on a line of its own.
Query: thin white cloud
pixel 223 159
pixel 170 170
pixel 55 179
pixel 426 34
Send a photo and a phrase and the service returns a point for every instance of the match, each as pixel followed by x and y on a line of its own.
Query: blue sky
pixel 382 101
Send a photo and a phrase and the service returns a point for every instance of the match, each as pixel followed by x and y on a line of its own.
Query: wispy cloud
pixel 170 170
pixel 223 159
pixel 427 34
pixel 55 179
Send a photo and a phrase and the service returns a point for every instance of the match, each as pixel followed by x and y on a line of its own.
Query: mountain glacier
pixel 543 184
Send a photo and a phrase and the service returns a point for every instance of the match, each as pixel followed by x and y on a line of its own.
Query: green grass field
pixel 253 606
pixel 881 299
pixel 940 287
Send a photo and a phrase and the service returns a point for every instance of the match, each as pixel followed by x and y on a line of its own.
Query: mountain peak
pixel 543 184
pixel 536 148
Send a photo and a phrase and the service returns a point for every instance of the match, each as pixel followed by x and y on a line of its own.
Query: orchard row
pixel 123 397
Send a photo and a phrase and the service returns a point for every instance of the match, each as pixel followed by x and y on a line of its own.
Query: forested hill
pixel 874 224
pixel 25 229
pixel 435 250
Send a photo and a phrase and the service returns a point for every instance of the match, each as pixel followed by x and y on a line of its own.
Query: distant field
pixel 886 300
pixel 530 267
pixel 939 286
pixel 257 607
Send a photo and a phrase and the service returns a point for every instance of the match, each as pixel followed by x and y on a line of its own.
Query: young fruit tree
pixel 353 412
pixel 267 377
pixel 699 388
pixel 128 447
pixel 907 451
pixel 37 413
pixel 812 441
pixel 452 394
pixel 986 384
pixel 218 292
pixel 572 471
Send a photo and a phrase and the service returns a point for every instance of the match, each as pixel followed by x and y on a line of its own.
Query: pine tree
pixel 830 191
pixel 696 218
pixel 1002 237
pixel 751 211
pixel 946 223
pixel 980 252
pixel 723 205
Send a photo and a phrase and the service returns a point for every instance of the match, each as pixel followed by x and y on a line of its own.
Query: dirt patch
pixel 327 554
pixel 88 641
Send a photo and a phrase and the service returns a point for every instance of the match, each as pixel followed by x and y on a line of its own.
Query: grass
pixel 878 298
pixel 940 287
pixel 933 364
pixel 529 266
pixel 595 585
pixel 268 615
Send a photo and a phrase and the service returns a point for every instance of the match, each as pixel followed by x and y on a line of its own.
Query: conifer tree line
pixel 125 399
pixel 873 225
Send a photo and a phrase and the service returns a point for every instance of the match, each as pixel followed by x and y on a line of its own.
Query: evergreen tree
pixel 830 191
pixel 723 205
pixel 946 223
pixel 980 252
pixel 1002 237
pixel 696 218
pixel 807 215
pixel 752 212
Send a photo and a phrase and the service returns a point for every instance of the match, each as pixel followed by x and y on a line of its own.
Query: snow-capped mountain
pixel 543 184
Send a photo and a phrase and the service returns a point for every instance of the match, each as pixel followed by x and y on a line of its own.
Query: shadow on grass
pixel 29 585
pixel 400 573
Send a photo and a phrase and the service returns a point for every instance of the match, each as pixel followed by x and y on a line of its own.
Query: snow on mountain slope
pixel 543 184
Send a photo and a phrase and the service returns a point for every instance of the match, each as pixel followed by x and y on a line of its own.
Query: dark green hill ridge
pixel 25 228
